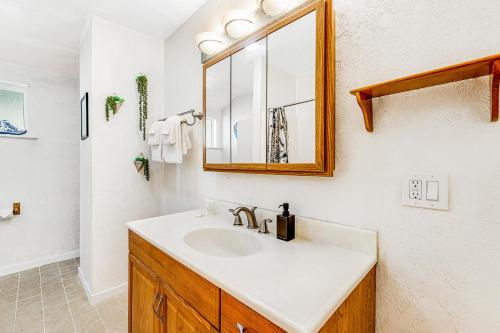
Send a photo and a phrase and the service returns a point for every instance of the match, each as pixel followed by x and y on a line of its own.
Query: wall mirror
pixel 268 99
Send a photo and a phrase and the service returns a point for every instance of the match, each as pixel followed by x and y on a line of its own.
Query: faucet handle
pixel 237 220
pixel 263 229
pixel 253 209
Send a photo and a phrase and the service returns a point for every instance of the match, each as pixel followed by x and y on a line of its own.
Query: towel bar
pixel 192 112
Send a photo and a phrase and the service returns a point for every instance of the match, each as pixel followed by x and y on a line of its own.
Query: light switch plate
pixel 425 191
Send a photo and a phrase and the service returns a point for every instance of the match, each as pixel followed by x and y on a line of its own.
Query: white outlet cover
pixel 426 201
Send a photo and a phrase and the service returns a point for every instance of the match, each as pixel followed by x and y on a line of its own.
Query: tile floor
pixel 50 299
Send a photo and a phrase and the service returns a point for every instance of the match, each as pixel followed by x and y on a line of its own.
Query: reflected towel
pixel 278 137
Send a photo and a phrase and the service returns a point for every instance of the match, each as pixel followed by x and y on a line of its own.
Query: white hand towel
pixel 154 140
pixel 153 137
pixel 186 141
pixel 5 213
pixel 172 140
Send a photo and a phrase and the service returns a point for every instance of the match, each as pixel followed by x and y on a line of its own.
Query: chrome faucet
pixel 250 213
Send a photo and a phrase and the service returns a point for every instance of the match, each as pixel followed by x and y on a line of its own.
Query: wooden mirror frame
pixel 325 95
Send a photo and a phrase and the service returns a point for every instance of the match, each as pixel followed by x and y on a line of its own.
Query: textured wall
pixel 114 192
pixel 438 271
pixel 42 174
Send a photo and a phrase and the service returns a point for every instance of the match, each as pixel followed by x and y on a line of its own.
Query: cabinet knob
pixel 240 327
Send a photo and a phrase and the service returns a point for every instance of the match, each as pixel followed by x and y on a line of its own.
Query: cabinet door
pixel 179 317
pixel 144 299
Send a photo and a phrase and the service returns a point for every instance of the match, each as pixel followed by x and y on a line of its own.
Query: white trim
pixel 100 296
pixel 25 136
pixel 84 282
pixel 6 270
pixel 20 85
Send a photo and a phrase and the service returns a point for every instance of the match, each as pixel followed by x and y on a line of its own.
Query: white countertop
pixel 297 285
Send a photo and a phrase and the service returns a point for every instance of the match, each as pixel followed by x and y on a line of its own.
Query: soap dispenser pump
pixel 285 224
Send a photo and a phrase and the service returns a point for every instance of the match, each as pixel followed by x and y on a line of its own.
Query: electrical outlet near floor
pixel 425 191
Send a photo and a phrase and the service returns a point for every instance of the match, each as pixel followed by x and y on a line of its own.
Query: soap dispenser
pixel 285 224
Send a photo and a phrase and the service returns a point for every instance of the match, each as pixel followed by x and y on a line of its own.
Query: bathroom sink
pixel 221 242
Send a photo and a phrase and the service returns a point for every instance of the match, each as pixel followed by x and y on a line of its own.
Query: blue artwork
pixel 7 128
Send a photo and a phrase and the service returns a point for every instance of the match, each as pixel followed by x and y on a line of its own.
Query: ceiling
pixel 45 34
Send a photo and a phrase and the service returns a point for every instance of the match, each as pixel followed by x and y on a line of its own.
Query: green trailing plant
pixel 142 162
pixel 142 89
pixel 113 103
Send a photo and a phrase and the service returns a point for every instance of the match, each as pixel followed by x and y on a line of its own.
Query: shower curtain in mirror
pixel 278 136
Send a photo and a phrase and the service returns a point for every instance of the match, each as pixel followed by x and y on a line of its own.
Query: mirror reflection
pixel 261 100
pixel 291 94
pixel 248 104
pixel 218 112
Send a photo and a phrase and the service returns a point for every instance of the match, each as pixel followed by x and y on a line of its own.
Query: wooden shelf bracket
pixel 495 91
pixel 463 71
pixel 365 103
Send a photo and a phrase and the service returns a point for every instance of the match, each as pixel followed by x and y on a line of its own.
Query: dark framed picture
pixel 84 116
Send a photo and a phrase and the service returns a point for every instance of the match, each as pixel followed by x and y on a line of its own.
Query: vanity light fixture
pixel 272 7
pixel 209 42
pixel 237 23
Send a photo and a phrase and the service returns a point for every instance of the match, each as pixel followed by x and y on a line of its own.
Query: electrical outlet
pixel 415 189
pixel 425 191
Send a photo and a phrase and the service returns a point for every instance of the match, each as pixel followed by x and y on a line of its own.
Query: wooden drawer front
pixel 180 317
pixel 200 294
pixel 234 312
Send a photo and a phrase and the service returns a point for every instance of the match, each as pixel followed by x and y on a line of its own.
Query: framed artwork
pixel 13 109
pixel 84 116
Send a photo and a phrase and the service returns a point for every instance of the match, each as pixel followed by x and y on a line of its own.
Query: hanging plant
pixel 140 163
pixel 142 89
pixel 113 104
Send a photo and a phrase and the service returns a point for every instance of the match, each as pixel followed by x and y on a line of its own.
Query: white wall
pixel 86 181
pixel 438 271
pixel 42 174
pixel 112 57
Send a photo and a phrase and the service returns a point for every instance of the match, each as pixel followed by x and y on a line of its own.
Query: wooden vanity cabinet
pixel 144 291
pixel 167 297
pixel 234 312
pixel 180 317
pixel 155 308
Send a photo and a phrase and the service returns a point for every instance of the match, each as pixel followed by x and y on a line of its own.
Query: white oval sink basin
pixel 223 242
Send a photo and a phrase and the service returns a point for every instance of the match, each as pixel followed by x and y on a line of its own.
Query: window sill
pixel 26 136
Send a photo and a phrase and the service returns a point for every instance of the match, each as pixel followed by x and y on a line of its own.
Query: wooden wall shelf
pixel 463 71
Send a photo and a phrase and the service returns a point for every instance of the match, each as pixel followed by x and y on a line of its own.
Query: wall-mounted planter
pixel 113 104
pixel 142 90
pixel 140 163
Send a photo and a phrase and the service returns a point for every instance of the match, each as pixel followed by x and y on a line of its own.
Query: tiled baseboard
pixel 6 270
